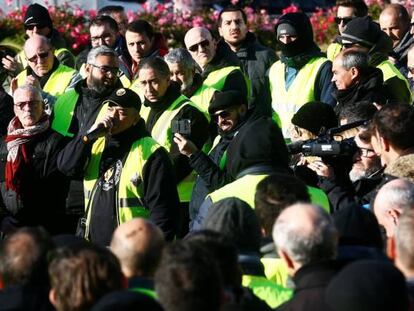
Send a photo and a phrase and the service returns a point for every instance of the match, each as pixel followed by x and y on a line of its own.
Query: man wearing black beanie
pixel 302 74
pixel 38 21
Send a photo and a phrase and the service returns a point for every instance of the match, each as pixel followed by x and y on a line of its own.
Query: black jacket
pixel 6 111
pixel 400 53
pixel 310 283
pixel 199 127
pixel 225 57
pixel 66 57
pixel 44 188
pixel 160 193
pixel 256 59
pixel 369 88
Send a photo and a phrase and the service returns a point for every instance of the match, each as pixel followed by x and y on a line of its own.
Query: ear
pixel 88 69
pixel 385 145
pixel 286 259
pixel 394 214
pixel 52 297
pixel 355 73
pixel 391 248
pixel 220 32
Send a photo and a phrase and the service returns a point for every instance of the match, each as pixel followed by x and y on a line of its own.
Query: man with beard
pixel 229 111
pixel 77 109
pixel 256 59
pixel 395 22
pixel 302 74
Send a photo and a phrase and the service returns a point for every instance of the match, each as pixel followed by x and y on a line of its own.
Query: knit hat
pixel 368 285
pixel 227 99
pixel 314 116
pixel 37 15
pixel 286 29
pixel 124 98
pixel 361 30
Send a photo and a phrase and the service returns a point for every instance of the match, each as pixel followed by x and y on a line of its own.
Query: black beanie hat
pixel 224 100
pixel 314 116
pixel 361 30
pixel 368 285
pixel 37 15
pixel 124 98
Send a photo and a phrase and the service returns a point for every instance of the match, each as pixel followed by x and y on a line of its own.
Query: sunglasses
pixel 38 56
pixel 366 152
pixel 106 70
pixel 31 27
pixel 343 20
pixel 223 114
pixel 203 44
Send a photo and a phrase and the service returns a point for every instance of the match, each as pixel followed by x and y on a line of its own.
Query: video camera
pixel 325 145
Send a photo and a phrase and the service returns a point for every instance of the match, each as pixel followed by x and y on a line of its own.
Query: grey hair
pixel 404 238
pixel 303 246
pixel 180 56
pixel 31 89
pixel 401 196
pixel 98 51
pixel 354 58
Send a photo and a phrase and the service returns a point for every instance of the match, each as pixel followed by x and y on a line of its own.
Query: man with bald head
pixel 220 67
pixel 45 71
pixel 138 244
pixel 392 200
pixel 306 240
pixel 395 22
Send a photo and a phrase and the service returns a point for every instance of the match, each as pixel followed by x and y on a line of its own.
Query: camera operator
pixel 356 184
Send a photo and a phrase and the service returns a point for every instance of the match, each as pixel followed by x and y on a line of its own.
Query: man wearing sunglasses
pixel 346 11
pixel 395 22
pixel 37 21
pixel 45 70
pixel 228 110
pixel 220 67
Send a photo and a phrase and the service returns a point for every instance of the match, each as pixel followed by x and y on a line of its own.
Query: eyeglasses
pixel 106 70
pixel 366 152
pixel 343 20
pixel 31 27
pixel 31 103
pixel 104 37
pixel 203 44
pixel 223 114
pixel 34 58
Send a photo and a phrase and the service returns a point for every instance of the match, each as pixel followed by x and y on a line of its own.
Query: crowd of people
pixel 221 175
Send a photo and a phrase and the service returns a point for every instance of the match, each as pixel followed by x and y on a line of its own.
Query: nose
pixel 174 77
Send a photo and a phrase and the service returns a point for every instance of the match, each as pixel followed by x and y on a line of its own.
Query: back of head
pixel 357 111
pixel 23 257
pixel 274 194
pixel 259 142
pixel 223 251
pixel 395 122
pixel 360 7
pixel 368 285
pixel 126 300
pixel 138 245
pixel 236 220
pixel 188 279
pixel 81 274
pixel 396 194
pixel 109 9
pixel 305 117
pixel 306 233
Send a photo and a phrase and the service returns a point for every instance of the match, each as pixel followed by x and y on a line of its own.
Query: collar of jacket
pixel 224 57
pixel 401 50
pixel 247 49
pixel 172 93
pixel 317 274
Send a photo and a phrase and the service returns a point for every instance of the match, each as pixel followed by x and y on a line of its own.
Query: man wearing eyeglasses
pixel 220 67
pixel 346 11
pixel 33 191
pixel 228 110
pixel 45 71
pixel 37 21
pixel 77 109
pixel 395 22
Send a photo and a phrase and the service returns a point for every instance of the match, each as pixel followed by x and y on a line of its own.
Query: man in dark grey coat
pixel 256 59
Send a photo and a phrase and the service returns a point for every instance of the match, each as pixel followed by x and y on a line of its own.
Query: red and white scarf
pixel 18 157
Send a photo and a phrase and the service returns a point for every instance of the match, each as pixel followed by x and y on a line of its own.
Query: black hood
pixel 259 143
pixel 304 43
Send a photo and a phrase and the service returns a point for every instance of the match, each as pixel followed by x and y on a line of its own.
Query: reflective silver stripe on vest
pixel 130 202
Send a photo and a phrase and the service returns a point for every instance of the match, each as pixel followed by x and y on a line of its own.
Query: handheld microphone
pixel 94 134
